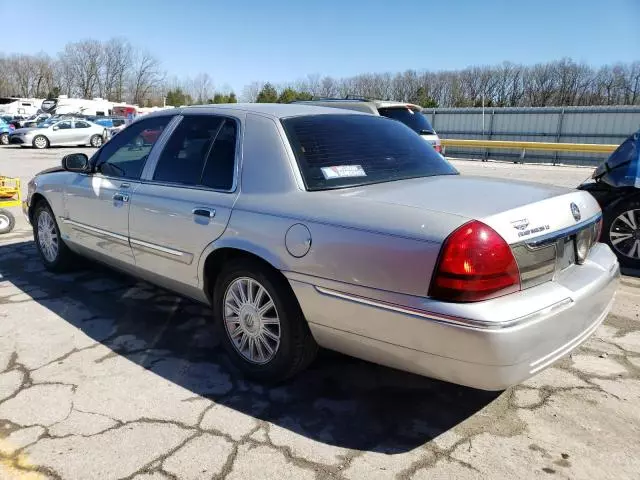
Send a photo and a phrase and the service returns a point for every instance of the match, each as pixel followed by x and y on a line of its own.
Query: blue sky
pixel 240 41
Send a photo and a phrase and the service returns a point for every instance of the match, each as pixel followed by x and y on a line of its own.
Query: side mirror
pixel 55 127
pixel 76 162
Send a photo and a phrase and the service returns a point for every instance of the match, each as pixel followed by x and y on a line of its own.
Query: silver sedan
pixel 305 226
pixel 60 132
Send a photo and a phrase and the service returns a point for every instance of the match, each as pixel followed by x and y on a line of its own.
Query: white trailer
pixel 65 105
pixel 19 106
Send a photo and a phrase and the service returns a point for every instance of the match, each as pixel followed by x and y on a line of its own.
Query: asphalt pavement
pixel 106 377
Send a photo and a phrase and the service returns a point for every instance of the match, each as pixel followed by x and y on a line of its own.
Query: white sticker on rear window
pixel 343 171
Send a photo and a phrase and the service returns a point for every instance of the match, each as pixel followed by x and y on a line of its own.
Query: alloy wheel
pixel 251 320
pixel 40 142
pixel 4 221
pixel 625 234
pixel 47 236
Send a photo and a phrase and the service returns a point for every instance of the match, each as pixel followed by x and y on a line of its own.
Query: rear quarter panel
pixel 341 254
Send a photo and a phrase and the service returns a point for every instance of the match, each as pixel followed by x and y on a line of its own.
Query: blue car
pixel 112 124
pixel 615 184
pixel 5 130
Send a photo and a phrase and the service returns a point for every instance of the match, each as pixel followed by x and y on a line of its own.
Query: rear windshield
pixel 338 151
pixel 416 121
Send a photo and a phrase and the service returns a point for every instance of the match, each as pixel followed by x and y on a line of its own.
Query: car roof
pixel 274 110
pixel 351 101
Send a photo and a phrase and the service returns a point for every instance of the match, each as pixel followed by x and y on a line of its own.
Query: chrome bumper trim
pixel 446 319
pixel 558 234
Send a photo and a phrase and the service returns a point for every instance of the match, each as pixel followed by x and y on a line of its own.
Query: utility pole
pixel 483 115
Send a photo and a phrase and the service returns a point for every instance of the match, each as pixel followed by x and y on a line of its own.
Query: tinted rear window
pixel 337 151
pixel 412 119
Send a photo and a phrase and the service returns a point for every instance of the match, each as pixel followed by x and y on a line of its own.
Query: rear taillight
pixel 438 148
pixel 475 264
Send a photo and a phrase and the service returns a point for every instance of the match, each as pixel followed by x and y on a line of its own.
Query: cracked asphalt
pixel 106 377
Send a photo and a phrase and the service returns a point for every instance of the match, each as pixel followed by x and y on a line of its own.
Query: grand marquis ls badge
pixel 575 211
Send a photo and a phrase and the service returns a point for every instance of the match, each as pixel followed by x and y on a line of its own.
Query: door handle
pixel 125 186
pixel 121 197
pixel 204 212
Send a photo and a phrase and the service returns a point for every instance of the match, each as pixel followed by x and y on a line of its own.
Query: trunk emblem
pixel 520 224
pixel 575 211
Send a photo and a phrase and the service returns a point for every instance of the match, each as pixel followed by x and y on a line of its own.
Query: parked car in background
pixel 616 186
pixel 112 124
pixel 304 226
pixel 5 130
pixel 60 132
pixel 407 113
pixel 13 120
pixel 33 120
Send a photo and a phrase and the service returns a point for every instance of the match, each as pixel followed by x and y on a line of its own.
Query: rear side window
pixel 337 151
pixel 416 121
pixel 201 151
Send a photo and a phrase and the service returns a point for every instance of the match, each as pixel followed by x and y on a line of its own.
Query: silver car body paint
pixel 363 283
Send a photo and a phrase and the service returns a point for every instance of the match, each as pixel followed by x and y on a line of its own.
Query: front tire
pixel 621 231
pixel 4 139
pixel 7 221
pixel 96 141
pixel 260 322
pixel 54 253
pixel 40 142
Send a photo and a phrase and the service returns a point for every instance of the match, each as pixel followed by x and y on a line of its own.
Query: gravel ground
pixel 105 377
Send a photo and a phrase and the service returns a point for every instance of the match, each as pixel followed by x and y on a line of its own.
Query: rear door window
pixel 183 158
pixel 201 152
pixel 337 151
pixel 416 121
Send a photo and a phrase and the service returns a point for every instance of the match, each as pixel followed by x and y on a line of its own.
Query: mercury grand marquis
pixel 305 226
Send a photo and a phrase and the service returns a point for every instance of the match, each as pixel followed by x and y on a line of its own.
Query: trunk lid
pixel 518 211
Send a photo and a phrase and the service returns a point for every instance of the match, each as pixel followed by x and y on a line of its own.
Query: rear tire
pixel 267 343
pixel 54 253
pixel 7 221
pixel 619 233
pixel 40 142
pixel 4 139
pixel 96 141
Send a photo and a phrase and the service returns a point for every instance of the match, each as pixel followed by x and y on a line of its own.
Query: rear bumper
pixel 470 350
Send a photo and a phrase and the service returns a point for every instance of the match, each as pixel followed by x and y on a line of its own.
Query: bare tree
pixel 251 91
pixel 201 88
pixel 44 69
pixel 540 84
pixel 83 59
pixel 115 62
pixel 145 76
pixel 632 84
